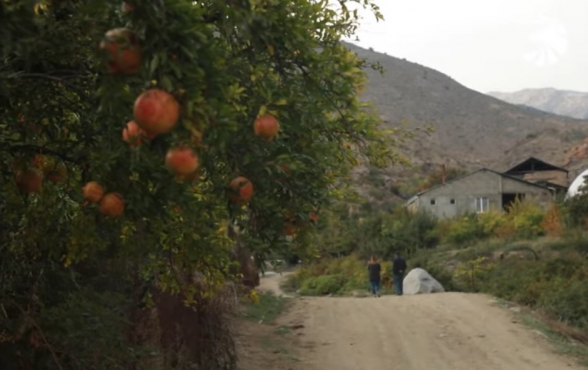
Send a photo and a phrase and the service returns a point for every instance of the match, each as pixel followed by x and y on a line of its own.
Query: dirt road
pixel 449 331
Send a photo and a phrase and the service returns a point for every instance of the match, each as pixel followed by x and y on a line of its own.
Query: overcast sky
pixel 488 45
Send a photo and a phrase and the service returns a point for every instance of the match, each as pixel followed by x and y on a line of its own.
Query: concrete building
pixel 479 192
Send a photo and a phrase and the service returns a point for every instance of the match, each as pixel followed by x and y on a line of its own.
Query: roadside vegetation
pixel 529 256
pixel 264 307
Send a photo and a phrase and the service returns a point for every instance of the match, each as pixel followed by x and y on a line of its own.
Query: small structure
pixel 577 184
pixel 479 192
pixel 540 172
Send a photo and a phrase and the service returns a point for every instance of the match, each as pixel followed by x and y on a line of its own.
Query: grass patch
pixel 558 335
pixel 267 308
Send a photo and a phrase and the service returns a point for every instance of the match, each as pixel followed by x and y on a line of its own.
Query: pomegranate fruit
pixel 124 50
pixel 289 230
pixel 182 160
pixel 240 190
pixel 58 174
pixel 29 181
pixel 93 192
pixel 266 127
pixel 133 134
pixel 156 111
pixel 42 163
pixel 112 205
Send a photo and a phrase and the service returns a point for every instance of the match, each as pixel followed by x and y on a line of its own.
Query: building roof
pixel 533 164
pixel 472 173
pixel 551 184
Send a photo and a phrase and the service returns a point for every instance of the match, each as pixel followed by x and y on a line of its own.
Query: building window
pixel 432 202
pixel 452 201
pixel 482 205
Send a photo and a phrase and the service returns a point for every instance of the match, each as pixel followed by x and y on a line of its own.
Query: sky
pixel 487 45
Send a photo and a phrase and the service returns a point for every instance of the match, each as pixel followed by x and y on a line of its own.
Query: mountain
pixel 471 129
pixel 566 103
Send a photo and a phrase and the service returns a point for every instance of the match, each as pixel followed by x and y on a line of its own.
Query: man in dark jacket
pixel 374 275
pixel 398 269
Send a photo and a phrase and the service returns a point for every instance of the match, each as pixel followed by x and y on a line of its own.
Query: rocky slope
pixel 566 103
pixel 471 129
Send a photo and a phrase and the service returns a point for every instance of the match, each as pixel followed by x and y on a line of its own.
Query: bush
pixel 322 285
pixel 464 230
pixel 555 286
pixel 406 232
pixel 523 220
pixel 526 218
pixel 336 276
pixel 568 302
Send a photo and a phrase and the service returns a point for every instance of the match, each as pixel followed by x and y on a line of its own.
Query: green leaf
pixel 154 64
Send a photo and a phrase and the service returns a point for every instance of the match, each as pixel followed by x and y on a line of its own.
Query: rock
pixel 418 281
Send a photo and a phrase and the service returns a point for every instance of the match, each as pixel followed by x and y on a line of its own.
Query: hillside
pixel 566 103
pixel 471 129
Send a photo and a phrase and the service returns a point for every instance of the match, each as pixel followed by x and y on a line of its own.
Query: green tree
pixel 70 275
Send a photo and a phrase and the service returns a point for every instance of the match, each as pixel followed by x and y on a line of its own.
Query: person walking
pixel 398 270
pixel 374 269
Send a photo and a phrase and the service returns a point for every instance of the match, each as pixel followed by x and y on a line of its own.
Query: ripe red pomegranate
pixel 266 127
pixel 29 181
pixel 133 134
pixel 240 190
pixel 112 205
pixel 156 111
pixel 124 50
pixel 182 160
pixel 93 192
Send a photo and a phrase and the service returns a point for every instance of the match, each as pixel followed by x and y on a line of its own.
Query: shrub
pixel 526 218
pixel 336 276
pixel 552 223
pixel 322 285
pixel 567 301
pixel 464 230
pixel 471 273
pixel 555 286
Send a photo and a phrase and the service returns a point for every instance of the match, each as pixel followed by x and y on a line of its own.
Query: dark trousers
pixel 398 283
pixel 375 286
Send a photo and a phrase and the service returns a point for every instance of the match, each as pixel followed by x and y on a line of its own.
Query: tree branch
pixel 42 333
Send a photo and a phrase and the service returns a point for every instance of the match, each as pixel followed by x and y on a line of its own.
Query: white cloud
pixel 488 45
